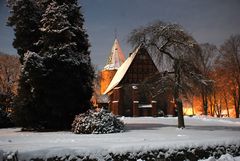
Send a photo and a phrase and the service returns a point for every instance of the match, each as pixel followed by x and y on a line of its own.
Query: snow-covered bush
pixel 92 122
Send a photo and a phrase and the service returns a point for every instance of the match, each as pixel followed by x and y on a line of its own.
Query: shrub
pixel 92 122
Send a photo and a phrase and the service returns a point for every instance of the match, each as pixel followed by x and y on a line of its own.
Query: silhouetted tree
pixel 9 72
pixel 230 64
pixel 59 77
pixel 25 19
pixel 170 42
pixel 205 61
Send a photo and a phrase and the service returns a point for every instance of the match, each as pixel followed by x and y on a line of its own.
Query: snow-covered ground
pixel 142 134
pixel 225 157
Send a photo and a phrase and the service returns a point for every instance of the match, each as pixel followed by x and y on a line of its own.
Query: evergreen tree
pixel 60 75
pixel 25 19
pixel 64 47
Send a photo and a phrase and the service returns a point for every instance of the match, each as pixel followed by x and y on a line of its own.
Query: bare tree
pixel 229 62
pixel 96 85
pixel 169 42
pixel 9 71
pixel 205 60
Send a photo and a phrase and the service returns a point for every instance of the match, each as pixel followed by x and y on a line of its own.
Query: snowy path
pixel 141 134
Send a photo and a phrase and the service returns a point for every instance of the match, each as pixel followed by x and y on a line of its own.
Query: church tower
pixel 114 61
pixel 115 58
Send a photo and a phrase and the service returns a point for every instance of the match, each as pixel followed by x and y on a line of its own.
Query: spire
pixel 116 57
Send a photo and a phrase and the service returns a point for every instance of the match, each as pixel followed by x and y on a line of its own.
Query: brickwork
pixel 154 108
pixel 116 102
pixel 135 108
pixel 126 100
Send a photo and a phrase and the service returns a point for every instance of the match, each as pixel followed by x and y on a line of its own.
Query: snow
pixel 142 134
pixel 226 157
pixel 145 106
pixel 121 71
pixel 102 122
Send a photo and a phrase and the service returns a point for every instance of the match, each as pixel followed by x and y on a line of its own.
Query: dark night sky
pixel 210 21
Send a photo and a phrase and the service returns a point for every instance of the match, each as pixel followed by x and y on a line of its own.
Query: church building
pixel 120 80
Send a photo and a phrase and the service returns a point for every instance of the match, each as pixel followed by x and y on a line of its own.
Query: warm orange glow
pixel 94 101
pixel 196 107
pixel 188 111
pixel 193 108
pixel 106 78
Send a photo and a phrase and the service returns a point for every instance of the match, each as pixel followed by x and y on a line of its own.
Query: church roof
pixel 122 71
pixel 116 57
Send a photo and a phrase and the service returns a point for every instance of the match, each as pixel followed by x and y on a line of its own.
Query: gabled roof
pixel 122 71
pixel 115 58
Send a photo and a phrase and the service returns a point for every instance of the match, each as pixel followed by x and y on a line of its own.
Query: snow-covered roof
pixel 121 71
pixel 116 57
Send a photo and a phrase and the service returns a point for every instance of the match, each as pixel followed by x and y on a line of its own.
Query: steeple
pixel 115 58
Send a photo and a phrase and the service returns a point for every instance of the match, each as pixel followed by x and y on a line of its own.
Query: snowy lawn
pixel 142 134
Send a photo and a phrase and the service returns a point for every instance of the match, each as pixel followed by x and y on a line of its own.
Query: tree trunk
pixel 226 103
pixel 204 101
pixel 180 113
pixel 236 104
pixel 193 112
pixel 236 95
pixel 215 104
pixel 220 108
pixel 206 106
pixel 178 101
pixel 211 106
